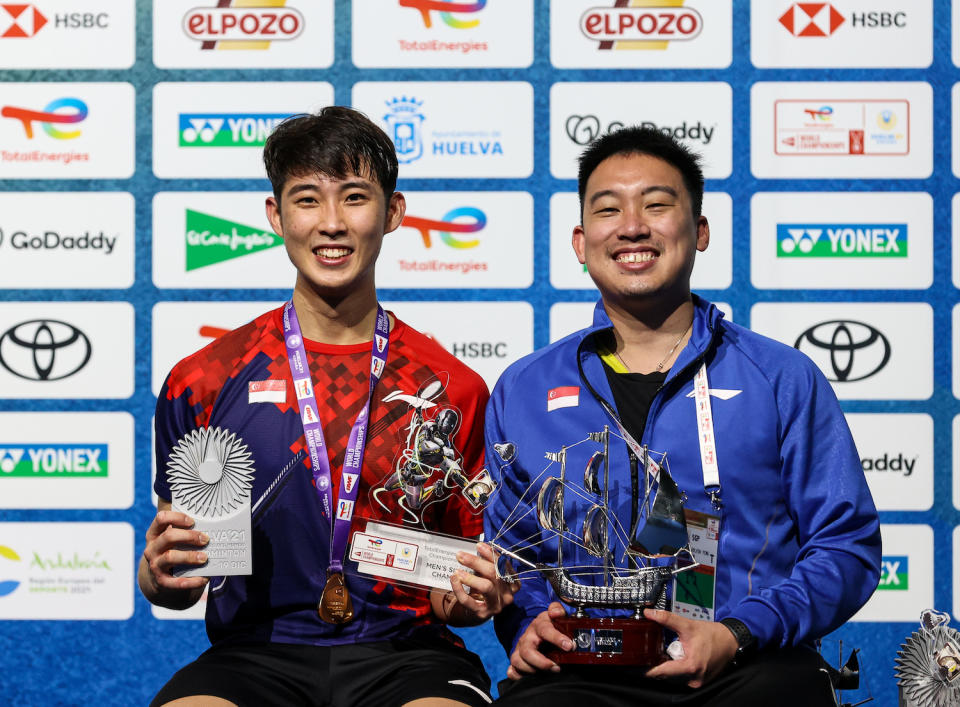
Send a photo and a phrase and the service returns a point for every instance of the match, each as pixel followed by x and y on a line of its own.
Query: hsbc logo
pixel 822 19
pixel 27 20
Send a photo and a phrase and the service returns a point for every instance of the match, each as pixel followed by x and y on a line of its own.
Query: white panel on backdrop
pixel 955 484
pixel 211 130
pixel 217 240
pixel 906 575
pixel 955 231
pixel 955 129
pixel 713 269
pixel 66 239
pixel 181 328
pixel 460 240
pixel 389 34
pixel 896 452
pixel 568 317
pixel 290 34
pixel 66 571
pixel 66 130
pixel 68 34
pixel 868 351
pixel 645 33
pixel 841 240
pixel 842 33
pixel 487 336
pixel 454 129
pixel 839 130
pixel 60 349
pixel 66 460
pixel 698 114
pixel 955 348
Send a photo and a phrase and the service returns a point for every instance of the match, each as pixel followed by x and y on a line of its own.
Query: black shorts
pixel 780 678
pixel 380 674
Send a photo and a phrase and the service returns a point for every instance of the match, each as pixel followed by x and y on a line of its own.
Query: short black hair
pixel 334 141
pixel 637 140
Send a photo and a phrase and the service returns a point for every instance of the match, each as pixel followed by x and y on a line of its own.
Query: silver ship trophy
pixel 588 574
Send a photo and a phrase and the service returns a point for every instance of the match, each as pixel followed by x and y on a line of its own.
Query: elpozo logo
pixel 644 24
pixel 227 129
pixel 845 350
pixel 54 460
pixel 448 10
pixel 44 350
pixel 241 25
pixel 211 240
pixel 822 19
pixel 842 240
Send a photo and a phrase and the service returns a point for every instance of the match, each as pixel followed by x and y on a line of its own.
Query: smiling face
pixel 332 229
pixel 639 236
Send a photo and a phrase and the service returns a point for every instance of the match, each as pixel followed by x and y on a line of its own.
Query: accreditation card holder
pixel 695 590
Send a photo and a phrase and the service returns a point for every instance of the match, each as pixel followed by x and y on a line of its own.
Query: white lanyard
pixel 708 445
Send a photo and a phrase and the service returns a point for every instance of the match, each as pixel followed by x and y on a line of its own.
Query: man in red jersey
pixel 342 374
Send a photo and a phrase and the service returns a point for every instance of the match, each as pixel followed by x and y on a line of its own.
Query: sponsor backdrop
pixel 132 232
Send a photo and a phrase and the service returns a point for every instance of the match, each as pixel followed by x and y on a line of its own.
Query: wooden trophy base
pixel 608 641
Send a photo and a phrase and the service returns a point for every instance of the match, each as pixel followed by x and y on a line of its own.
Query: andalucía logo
pixel 842 240
pixel 54 460
pixel 214 240
pixel 895 573
pixel 446 8
pixel 227 129
pixel 242 24
pixel 405 127
pixel 53 114
pixel 27 20
pixel 8 586
pixel 448 225
pixel 641 24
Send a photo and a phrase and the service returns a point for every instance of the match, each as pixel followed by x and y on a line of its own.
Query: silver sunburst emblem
pixel 210 472
pixel 927 667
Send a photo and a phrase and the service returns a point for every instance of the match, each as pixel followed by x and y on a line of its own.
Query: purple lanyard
pixel 313 430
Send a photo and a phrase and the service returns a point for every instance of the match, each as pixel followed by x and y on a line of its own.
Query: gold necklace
pixel 669 353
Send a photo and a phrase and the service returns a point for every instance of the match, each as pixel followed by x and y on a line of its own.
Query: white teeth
pixel 644 257
pixel 332 252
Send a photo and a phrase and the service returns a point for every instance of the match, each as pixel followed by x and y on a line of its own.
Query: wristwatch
pixel 746 641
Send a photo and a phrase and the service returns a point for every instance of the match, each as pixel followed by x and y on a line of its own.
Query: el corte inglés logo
pixel 213 240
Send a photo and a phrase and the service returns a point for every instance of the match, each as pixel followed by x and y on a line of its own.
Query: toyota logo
pixel 851 350
pixel 44 350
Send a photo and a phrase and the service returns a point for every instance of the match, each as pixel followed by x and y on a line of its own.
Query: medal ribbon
pixel 313 429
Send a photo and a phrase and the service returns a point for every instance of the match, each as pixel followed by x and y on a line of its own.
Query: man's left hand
pixel 482 593
pixel 708 648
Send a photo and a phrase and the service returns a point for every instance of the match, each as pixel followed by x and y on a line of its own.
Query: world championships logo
pixel 849 350
pixel 44 350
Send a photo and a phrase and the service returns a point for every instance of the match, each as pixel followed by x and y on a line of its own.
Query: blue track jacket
pixel 799 549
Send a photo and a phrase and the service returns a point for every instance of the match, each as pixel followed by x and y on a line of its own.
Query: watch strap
pixel 746 641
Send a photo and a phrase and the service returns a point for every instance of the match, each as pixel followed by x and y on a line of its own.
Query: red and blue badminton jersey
pixel 241 383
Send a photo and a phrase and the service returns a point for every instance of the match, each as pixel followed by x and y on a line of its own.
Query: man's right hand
pixel 527 657
pixel 167 535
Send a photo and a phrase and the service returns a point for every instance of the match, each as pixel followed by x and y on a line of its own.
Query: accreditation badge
pixel 695 590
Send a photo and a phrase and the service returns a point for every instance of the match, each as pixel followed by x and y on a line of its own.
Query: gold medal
pixel 335 604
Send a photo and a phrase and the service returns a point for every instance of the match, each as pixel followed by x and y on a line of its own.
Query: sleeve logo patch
pixel 566 396
pixel 268 391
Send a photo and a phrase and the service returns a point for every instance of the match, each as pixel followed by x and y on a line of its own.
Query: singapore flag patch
pixel 566 396
pixel 268 391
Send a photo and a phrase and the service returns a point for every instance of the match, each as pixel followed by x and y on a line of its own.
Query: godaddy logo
pixel 54 460
pixel 213 240
pixel 894 573
pixel 8 586
pixel 842 240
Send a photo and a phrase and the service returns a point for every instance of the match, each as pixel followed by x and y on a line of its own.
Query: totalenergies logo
pixel 821 114
pixel 446 8
pixel 48 117
pixel 8 586
pixel 27 20
pixel 448 226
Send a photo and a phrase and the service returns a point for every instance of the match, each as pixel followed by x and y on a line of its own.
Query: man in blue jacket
pixel 754 435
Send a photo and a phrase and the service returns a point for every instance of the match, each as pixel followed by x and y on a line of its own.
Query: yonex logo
pixel 53 460
pixel 894 573
pixel 838 240
pixel 48 117
pixel 446 8
pixel 27 20
pixel 227 129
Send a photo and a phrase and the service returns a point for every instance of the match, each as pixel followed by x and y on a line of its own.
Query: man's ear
pixel 396 208
pixel 273 215
pixel 579 244
pixel 703 233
